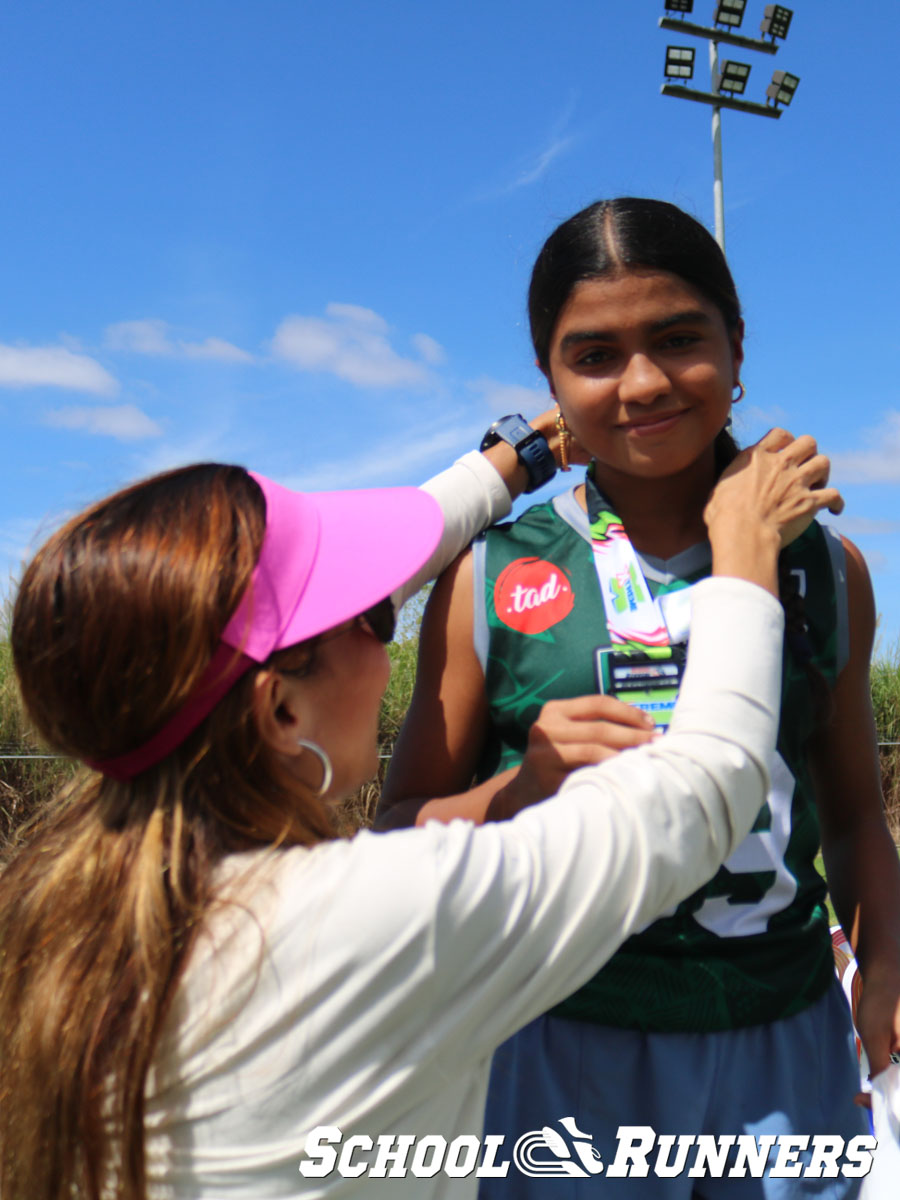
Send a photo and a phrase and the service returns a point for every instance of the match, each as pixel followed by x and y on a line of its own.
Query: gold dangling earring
pixel 327 772
pixel 742 392
pixel 563 430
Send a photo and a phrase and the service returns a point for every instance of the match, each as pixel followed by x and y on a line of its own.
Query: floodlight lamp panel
pixel 679 62
pixel 781 89
pixel 730 12
pixel 733 77
pixel 680 6
pixel 777 21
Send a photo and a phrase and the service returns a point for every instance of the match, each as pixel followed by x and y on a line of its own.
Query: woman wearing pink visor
pixel 206 993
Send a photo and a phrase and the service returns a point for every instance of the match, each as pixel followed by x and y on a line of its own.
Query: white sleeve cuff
pixel 472 496
pixel 471 489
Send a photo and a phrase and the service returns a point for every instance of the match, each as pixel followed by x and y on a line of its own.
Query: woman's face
pixel 643 369
pixel 340 701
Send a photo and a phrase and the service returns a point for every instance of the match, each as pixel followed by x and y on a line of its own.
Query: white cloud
pixel 500 398
pixel 216 348
pixel 153 336
pixel 54 366
pixel 876 561
pixel 533 166
pixel 880 463
pixel 218 443
pixel 386 463
pixel 864 526
pixel 751 416
pixel 433 352
pixel 20 540
pixel 18 536
pixel 125 422
pixel 139 337
pixel 539 167
pixel 357 315
pixel 350 342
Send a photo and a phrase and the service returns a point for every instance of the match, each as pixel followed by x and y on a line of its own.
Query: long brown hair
pixel 114 623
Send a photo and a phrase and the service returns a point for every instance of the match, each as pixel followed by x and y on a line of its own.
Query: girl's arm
pixel 860 857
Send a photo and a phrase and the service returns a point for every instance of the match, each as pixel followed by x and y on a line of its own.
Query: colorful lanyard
pixel 633 616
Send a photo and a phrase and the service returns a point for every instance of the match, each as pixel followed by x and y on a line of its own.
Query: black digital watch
pixel 530 446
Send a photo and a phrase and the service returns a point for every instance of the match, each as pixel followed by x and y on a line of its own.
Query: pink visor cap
pixel 326 557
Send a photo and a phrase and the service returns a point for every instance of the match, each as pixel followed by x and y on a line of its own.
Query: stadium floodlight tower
pixel 727 84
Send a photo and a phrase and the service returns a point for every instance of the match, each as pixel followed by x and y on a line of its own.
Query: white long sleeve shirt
pixel 472 495
pixel 363 985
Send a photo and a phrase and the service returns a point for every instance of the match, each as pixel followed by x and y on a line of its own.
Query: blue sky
pixel 298 235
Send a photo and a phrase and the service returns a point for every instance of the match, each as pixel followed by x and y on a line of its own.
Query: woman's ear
pixel 279 711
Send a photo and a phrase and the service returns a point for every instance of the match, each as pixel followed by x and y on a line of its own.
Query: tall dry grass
pixel 885 682
pixel 359 810
pixel 24 781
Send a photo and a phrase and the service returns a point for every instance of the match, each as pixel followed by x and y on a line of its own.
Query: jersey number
pixel 762 851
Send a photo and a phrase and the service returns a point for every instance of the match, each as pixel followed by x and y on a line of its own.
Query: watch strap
pixel 530 446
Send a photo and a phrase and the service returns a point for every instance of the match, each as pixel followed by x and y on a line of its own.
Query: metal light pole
pixel 718 182
pixel 732 78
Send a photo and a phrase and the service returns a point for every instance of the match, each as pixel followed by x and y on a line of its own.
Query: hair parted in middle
pixel 612 236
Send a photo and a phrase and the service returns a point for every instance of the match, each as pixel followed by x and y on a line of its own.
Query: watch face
pixel 513 429
pixel 517 431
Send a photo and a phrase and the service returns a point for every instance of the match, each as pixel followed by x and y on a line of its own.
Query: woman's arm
pixel 477 491
pixel 860 857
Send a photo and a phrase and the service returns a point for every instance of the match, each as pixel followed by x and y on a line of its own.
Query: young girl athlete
pixel 637 327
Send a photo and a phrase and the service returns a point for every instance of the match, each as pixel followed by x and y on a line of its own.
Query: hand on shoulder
pixel 763 501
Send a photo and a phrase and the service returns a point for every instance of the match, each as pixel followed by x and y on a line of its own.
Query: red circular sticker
pixel 532 594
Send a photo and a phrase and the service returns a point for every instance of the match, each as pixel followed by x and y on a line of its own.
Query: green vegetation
pixel 886 703
pixel 359 810
pixel 23 781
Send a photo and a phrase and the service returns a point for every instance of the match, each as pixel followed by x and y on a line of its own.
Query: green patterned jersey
pixel 753 945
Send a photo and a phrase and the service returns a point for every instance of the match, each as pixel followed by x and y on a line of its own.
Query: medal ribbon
pixel 633 617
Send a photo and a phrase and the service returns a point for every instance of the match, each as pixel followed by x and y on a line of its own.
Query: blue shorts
pixel 795 1076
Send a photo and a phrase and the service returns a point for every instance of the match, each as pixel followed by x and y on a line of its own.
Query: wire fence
pixel 64 757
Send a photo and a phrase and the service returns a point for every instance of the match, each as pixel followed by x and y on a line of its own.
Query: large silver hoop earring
pixel 742 392
pixel 327 772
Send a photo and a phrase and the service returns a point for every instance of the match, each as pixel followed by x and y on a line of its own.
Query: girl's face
pixel 643 369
